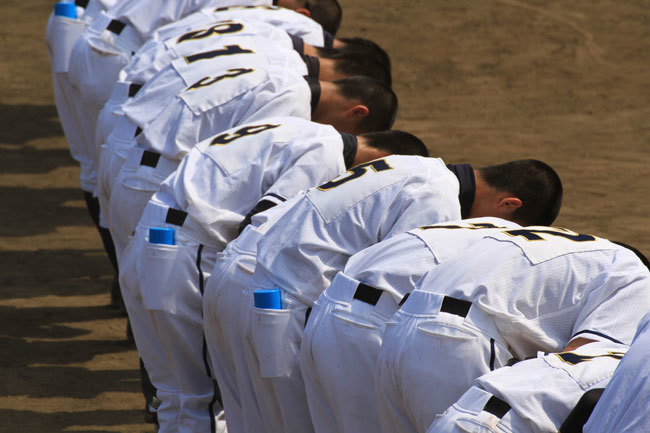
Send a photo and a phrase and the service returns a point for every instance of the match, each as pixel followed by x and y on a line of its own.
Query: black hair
pixel 350 63
pixel 396 142
pixel 366 46
pixel 534 182
pixel 378 97
pixel 327 13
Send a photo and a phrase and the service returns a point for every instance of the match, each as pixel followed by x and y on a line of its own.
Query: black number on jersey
pixel 218 29
pixel 572 358
pixel 226 138
pixel 356 172
pixel 472 226
pixel 534 234
pixel 208 81
pixel 234 8
pixel 228 50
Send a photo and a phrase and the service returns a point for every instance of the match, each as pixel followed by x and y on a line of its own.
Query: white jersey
pixel 145 16
pixel 541 391
pixel 372 202
pixel 222 178
pixel 543 286
pixel 395 265
pixel 197 96
pixel 623 407
pixel 207 34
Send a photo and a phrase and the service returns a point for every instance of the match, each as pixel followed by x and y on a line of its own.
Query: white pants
pixel 144 332
pixel 429 359
pixel 171 279
pixel 111 111
pixel 339 357
pixel 134 186
pixel 276 336
pixel 468 415
pixel 60 35
pixel 224 300
pixel 111 159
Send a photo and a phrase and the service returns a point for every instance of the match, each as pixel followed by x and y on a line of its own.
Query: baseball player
pixel 214 101
pixel 303 251
pixel 509 294
pixel 623 407
pixel 205 200
pixel 345 329
pixel 535 395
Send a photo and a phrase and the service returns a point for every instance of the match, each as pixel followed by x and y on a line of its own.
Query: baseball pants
pixel 433 349
pixel 171 280
pixel 339 356
pixel 276 336
pixel 224 300
pixel 478 411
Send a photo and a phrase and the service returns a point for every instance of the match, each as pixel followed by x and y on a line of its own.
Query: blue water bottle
pixel 65 9
pixel 268 298
pixel 161 235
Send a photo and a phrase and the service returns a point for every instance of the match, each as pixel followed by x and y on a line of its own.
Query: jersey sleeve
pixel 613 310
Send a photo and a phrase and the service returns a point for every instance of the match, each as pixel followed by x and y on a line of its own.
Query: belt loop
pixel 115 26
pixel 496 407
pixel 367 294
pixel 134 88
pixel 150 159
pixel 455 306
pixel 175 217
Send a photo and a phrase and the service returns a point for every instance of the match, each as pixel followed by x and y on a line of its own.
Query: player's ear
pixel 510 203
pixel 358 111
pixel 304 11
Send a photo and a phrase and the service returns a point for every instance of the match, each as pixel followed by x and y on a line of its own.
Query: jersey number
pixel 219 29
pixel 226 138
pixel 356 172
pixel 573 358
pixel 228 50
pixel 534 234
pixel 208 81
pixel 472 226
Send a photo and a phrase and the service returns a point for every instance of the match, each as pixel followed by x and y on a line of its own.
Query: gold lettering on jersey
pixel 235 8
pixel 228 50
pixel 573 358
pixel 221 28
pixel 223 139
pixel 208 81
pixel 357 171
pixel 535 234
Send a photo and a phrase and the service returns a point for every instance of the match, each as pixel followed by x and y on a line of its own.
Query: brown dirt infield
pixel 479 81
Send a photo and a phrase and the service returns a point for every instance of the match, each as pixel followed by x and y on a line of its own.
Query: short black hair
pixel 350 63
pixel 367 46
pixel 378 97
pixel 327 13
pixel 396 142
pixel 534 182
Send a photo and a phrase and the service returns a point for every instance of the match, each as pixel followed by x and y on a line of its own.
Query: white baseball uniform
pixel 105 47
pixel 160 54
pixel 60 36
pixel 216 185
pixel 216 94
pixel 533 396
pixel 225 300
pixel 623 407
pixel 312 242
pixel 511 293
pixel 345 330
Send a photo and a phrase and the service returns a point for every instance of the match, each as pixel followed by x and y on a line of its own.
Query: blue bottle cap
pixel 268 298
pixel 64 9
pixel 161 235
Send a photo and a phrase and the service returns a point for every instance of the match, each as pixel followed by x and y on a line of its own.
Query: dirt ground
pixel 479 81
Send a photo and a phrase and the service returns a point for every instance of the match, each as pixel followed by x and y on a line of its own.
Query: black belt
pixel 116 26
pixel 134 88
pixel 370 295
pixel 150 159
pixel 138 130
pixel 496 407
pixel 175 216
pixel 82 3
